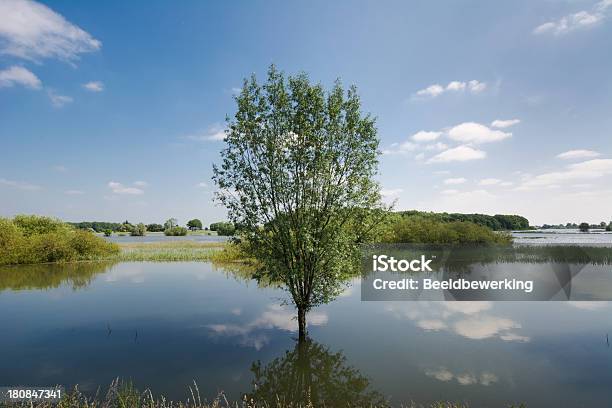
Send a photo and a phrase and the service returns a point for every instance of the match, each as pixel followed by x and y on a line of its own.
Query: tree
pixel 139 230
pixel 194 224
pixel 223 228
pixel 584 227
pixel 609 227
pixel 297 176
pixel 170 223
pixel 155 228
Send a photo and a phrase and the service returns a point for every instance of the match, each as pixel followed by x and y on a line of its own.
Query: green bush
pixel 139 230
pixel 223 228
pixel 108 232
pixel 175 231
pixel 417 229
pixel 29 239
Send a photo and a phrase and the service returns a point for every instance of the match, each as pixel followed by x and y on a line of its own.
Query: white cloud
pixel 588 305
pixel 476 86
pixel 453 181
pixel 74 192
pixel 449 192
pixel 119 188
pixel 400 148
pixel 576 21
pixel 17 75
pixel 202 184
pixel 489 182
pixel 424 136
pixel 435 90
pixel 419 156
pixel 459 153
pixel 484 327
pixel 436 146
pixel 390 193
pixel 141 183
pixel 60 168
pixel 94 86
pixel 578 154
pixel 471 132
pixel 502 124
pixel 57 100
pixel 431 91
pixel 21 185
pixel 33 31
pixel 214 133
pixel 587 170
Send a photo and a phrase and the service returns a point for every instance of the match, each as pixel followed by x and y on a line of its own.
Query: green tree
pixel 139 230
pixel 584 227
pixel 297 171
pixel 194 224
pixel 170 223
pixel 155 228
pixel 223 228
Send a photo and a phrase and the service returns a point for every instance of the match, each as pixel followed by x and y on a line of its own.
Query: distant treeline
pixel 497 222
pixel 221 228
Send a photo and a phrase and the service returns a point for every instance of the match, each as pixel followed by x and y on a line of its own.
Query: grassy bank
pixel 169 251
pixel 125 395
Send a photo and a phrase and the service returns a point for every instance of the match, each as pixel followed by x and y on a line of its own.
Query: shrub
pixel 139 230
pixel 33 239
pixel 223 228
pixel 421 230
pixel 155 228
pixel 584 227
pixel 108 232
pixel 175 231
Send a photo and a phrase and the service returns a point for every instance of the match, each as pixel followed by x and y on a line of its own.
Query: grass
pixel 124 395
pixel 168 251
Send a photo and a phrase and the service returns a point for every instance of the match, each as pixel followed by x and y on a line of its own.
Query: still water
pixel 563 237
pixel 165 325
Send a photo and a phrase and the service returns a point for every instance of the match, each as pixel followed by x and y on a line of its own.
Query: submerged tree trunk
pixel 302 323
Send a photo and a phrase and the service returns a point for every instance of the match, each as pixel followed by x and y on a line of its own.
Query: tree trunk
pixel 302 324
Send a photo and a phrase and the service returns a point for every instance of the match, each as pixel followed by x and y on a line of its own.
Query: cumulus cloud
pixel 580 20
pixel 502 124
pixel 94 86
pixel 424 136
pixel 459 153
pixel 21 185
pixel 471 132
pixel 435 90
pixel 215 133
pixel 202 184
pixel 457 180
pixel 119 188
pixel 32 31
pixel 578 154
pixel 58 100
pixel 586 170
pixel 17 75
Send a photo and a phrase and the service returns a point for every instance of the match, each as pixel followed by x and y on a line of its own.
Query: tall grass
pixel 168 251
pixel 122 394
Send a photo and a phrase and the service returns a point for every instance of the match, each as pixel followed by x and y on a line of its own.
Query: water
pixel 165 325
pixel 563 237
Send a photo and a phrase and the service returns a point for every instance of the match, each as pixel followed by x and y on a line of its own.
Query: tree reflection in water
pixel 311 375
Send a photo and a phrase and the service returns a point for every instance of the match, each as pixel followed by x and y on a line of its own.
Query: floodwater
pixel 165 325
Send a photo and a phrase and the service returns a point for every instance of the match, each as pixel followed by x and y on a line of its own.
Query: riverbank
pixel 125 395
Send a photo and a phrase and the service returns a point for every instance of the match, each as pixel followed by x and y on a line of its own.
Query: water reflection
pixel 27 277
pixel 312 375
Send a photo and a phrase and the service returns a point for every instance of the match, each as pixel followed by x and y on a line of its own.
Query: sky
pixel 115 110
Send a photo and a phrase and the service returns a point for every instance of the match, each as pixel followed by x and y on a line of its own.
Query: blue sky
pixel 112 110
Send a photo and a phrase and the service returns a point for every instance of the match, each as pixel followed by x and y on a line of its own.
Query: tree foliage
pixel 194 224
pixel 297 170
